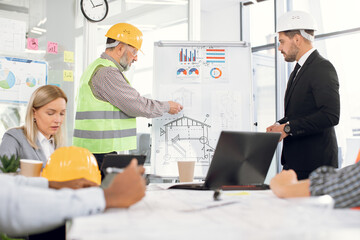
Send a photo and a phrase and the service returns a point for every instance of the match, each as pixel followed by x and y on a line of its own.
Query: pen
pixel 209 207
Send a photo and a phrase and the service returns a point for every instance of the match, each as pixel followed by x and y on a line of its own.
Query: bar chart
pixel 187 55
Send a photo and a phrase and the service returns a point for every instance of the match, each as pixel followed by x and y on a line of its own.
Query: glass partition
pixel 158 20
pixel 344 58
pixel 331 15
pixel 31 33
pixel 262 28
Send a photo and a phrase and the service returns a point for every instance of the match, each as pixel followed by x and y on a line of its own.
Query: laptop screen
pixel 241 158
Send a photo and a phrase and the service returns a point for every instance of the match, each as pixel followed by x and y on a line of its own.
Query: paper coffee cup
pixel 30 168
pixel 186 171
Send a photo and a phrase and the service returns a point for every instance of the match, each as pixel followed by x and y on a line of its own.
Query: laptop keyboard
pixel 190 186
pixel 224 188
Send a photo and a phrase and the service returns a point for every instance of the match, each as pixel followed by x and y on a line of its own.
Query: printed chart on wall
pixel 213 83
pixel 19 78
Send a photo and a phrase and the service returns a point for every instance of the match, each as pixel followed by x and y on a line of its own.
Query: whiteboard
pixel 19 78
pixel 213 82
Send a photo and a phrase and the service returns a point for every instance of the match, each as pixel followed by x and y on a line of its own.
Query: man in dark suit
pixel 312 102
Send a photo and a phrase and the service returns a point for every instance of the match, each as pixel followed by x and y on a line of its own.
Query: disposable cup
pixel 186 171
pixel 30 168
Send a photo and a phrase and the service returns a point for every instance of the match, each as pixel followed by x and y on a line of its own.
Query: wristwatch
pixel 287 128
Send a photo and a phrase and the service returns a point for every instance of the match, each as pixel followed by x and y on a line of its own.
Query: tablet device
pixel 117 161
pixel 120 161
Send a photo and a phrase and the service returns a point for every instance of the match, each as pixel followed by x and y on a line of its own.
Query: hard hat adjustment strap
pixel 306 35
pixel 114 44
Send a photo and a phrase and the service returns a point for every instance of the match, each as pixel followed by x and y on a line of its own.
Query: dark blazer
pixel 15 142
pixel 312 106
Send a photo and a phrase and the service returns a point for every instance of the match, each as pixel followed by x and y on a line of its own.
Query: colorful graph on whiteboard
pixel 20 77
pixel 215 55
pixel 30 81
pixel 215 72
pixel 194 71
pixel 181 71
pixel 187 56
pixel 7 79
pixel 201 64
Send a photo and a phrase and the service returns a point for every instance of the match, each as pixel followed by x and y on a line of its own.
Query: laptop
pixel 241 161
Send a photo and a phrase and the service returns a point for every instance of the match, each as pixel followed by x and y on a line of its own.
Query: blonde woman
pixel 41 133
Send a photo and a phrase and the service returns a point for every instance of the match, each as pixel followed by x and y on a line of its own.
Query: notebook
pixel 241 161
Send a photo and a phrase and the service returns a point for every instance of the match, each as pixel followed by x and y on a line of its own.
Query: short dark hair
pixel 292 33
pixel 110 40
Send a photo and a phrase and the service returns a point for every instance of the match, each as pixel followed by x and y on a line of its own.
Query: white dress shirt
pixel 47 145
pixel 27 206
pixel 303 59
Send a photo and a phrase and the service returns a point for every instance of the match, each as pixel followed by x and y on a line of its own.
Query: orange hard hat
pixel 69 163
pixel 126 33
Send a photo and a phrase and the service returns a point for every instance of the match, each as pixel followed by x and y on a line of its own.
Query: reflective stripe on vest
pixel 101 115
pixel 104 134
pixel 100 126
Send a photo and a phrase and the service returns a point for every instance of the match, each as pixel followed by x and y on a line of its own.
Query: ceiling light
pixel 39 29
pixel 42 22
pixel 34 31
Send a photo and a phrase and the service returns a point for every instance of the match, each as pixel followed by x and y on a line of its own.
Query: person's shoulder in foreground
pixel 15 143
pixel 12 138
pixel 28 207
pixel 342 185
pixel 16 132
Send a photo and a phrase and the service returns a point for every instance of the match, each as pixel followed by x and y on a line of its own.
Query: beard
pixel 291 55
pixel 124 62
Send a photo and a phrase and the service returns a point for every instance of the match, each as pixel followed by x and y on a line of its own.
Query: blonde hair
pixel 42 96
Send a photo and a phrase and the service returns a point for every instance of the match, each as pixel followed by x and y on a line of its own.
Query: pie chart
pixel 194 70
pixel 7 79
pixel 215 72
pixel 181 71
pixel 30 82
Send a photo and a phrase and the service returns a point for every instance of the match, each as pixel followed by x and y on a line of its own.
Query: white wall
pixel 220 20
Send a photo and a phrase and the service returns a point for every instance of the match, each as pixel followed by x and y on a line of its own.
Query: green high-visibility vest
pixel 99 126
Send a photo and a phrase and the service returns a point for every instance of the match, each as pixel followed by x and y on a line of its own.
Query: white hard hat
pixel 296 20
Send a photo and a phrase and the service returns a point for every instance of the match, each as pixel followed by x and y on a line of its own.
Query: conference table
pixel 188 214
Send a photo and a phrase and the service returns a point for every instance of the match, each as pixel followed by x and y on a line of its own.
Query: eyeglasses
pixel 133 51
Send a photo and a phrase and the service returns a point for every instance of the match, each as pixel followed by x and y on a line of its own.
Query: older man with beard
pixel 107 105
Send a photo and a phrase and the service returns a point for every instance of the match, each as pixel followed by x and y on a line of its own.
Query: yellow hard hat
pixel 126 33
pixel 68 163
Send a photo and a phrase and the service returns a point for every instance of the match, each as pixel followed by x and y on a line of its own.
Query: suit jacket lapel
pixel 290 89
pixel 40 153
